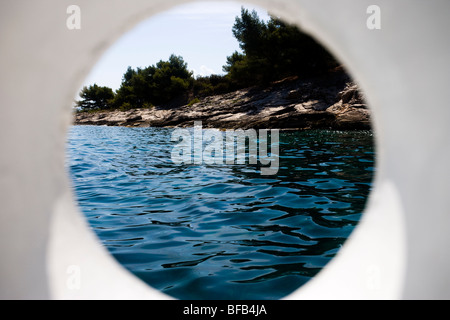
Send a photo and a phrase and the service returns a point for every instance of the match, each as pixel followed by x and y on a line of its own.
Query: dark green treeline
pixel 271 51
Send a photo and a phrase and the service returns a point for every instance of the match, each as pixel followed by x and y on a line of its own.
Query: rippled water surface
pixel 220 231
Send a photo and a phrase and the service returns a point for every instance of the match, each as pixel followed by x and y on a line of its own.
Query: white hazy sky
pixel 199 32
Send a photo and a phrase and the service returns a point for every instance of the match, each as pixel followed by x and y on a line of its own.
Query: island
pixel 282 79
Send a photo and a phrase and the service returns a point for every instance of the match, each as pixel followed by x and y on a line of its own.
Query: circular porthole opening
pixel 237 180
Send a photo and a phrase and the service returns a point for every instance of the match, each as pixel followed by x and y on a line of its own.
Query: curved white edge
pixel 81 269
pixel 371 263
pixel 348 276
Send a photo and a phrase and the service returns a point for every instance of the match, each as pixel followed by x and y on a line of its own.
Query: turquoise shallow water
pixel 220 231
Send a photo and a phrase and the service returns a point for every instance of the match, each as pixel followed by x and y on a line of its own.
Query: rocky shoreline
pixel 320 103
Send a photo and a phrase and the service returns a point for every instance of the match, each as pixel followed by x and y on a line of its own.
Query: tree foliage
pixel 154 85
pixel 95 97
pixel 211 85
pixel 273 50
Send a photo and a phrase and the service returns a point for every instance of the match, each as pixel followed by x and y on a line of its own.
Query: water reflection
pixel 221 231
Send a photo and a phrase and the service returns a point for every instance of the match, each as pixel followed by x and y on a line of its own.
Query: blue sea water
pixel 220 231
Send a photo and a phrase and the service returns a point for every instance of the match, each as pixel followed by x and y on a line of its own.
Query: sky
pixel 200 32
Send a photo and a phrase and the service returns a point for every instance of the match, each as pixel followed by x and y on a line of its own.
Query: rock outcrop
pixel 332 102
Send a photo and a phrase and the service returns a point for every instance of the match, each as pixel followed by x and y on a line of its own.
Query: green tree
pixel 233 60
pixel 136 87
pixel 296 52
pixel 210 85
pixel 250 32
pixel 273 50
pixel 128 75
pixel 171 79
pixel 95 97
pixel 154 85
